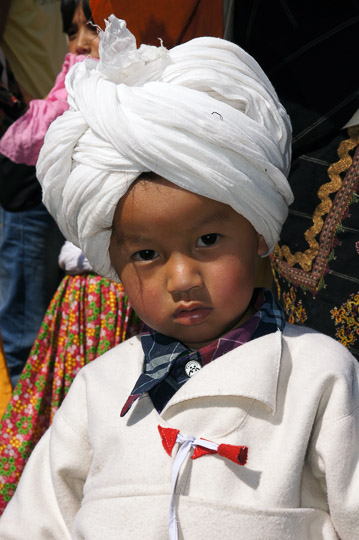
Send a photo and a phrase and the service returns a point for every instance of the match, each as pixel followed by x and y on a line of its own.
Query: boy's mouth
pixel 191 314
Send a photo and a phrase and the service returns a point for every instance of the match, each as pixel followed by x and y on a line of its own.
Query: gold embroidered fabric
pixel 312 262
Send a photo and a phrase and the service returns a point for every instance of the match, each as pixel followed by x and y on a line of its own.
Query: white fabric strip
pixel 72 260
pixel 186 443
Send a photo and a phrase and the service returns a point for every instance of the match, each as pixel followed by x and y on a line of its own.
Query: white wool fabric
pixel 203 115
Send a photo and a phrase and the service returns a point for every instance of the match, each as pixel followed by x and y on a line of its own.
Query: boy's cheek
pixel 142 295
pixel 151 307
pixel 150 299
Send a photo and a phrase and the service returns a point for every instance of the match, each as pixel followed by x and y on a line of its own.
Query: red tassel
pixel 169 437
pixel 237 454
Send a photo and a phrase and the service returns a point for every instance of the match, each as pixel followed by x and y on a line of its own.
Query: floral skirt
pixel 87 316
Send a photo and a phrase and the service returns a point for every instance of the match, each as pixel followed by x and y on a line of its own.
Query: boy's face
pixel 186 262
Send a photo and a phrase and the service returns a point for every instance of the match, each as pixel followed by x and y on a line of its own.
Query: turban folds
pixel 202 115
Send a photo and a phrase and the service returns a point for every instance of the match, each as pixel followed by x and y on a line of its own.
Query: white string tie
pixel 186 442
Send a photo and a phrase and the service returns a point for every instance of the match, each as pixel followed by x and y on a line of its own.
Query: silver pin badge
pixel 192 367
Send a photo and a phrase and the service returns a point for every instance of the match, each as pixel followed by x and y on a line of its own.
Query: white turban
pixel 202 115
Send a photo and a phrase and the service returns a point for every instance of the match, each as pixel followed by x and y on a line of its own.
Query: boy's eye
pixel 145 255
pixel 207 240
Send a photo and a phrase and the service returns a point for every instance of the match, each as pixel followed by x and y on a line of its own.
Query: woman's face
pixel 82 35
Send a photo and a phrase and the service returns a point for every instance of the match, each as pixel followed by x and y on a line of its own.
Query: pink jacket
pixel 23 140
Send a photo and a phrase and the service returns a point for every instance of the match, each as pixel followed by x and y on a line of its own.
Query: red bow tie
pixel 237 454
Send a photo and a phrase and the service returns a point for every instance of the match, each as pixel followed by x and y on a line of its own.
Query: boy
pixel 255 421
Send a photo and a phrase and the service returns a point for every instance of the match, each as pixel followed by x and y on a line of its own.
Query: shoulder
pixel 118 353
pixel 317 352
pixel 323 373
pixel 127 356
pixel 108 378
pixel 113 369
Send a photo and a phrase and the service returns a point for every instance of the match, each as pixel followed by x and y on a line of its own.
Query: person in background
pixel 33 44
pixel 310 60
pixel 12 105
pixel 32 49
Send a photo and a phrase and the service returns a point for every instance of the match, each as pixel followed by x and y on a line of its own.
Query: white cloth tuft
pixel 72 260
pixel 202 115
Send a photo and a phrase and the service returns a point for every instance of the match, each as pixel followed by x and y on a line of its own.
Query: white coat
pixel 292 398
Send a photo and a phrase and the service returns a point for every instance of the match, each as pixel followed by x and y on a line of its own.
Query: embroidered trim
pixel 313 261
pixel 294 309
pixel 346 319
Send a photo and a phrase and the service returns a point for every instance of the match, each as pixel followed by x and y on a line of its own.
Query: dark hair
pixel 68 8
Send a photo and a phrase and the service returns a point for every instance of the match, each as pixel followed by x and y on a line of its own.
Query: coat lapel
pixel 250 370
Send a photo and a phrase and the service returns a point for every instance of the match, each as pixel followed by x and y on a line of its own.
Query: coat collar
pixel 251 370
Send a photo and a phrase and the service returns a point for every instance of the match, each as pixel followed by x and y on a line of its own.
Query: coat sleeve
pixel 50 490
pixel 334 453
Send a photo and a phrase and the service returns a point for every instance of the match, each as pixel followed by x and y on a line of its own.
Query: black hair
pixel 68 8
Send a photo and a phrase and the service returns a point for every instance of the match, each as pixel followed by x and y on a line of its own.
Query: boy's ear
pixel 262 247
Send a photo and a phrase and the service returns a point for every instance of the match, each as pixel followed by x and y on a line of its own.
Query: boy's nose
pixel 183 274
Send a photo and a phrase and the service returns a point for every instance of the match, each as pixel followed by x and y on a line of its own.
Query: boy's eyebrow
pixel 131 237
pixel 221 216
